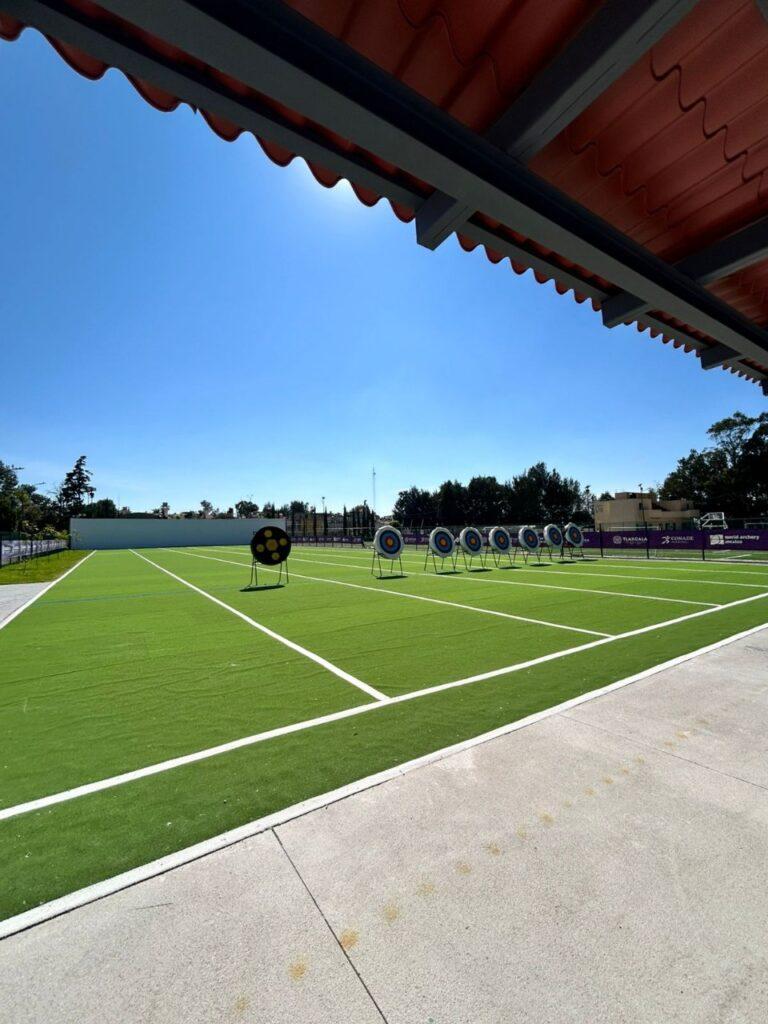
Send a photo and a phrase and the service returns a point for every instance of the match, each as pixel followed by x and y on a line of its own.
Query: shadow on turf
pixel 265 586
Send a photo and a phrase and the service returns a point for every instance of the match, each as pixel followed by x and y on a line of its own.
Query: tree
pixel 414 508
pixel 9 501
pixel 451 503
pixel 206 509
pixel 165 510
pixel 74 489
pixel 731 476
pixel 269 511
pixel 246 509
pixel 104 508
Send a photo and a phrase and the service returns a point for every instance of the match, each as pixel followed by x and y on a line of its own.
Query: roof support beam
pixel 617 35
pixel 268 46
pixel 721 259
pixel 718 355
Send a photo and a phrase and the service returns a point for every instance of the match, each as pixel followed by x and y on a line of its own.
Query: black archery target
pixel 270 545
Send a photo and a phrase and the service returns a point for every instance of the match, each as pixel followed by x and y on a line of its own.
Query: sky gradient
pixel 203 324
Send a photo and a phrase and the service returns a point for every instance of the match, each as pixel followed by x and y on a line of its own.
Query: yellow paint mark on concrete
pixel 547 818
pixel 624 771
pixel 681 735
pixel 298 969
pixel 670 743
pixel 639 759
pixel 241 1005
pixel 567 803
pixel 464 868
pixel 391 912
pixel 589 791
pixel 608 780
pixel 349 938
pixel 494 849
pixel 425 889
pixel 521 832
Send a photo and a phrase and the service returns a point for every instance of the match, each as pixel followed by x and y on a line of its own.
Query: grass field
pixel 42 569
pixel 137 659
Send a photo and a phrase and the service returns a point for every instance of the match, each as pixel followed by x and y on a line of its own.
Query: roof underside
pixel 617 149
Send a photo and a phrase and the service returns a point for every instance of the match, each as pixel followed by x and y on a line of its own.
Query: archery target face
pixel 471 540
pixel 528 537
pixel 441 542
pixel 388 542
pixel 573 535
pixel 500 539
pixel 553 535
pixel 270 545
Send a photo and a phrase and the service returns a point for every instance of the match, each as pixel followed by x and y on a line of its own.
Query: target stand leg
pixel 254 574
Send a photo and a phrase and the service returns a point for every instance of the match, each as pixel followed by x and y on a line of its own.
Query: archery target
pixel 529 538
pixel 471 540
pixel 270 545
pixel 388 542
pixel 553 535
pixel 499 539
pixel 441 542
pixel 573 535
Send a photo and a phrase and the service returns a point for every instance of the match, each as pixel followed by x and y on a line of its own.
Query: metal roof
pixel 618 149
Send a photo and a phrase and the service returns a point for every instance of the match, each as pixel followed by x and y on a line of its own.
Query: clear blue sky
pixel 203 324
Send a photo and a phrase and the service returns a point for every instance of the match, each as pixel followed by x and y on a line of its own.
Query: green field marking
pixel 395 645
pixel 578 607
pixel 48 853
pixel 42 568
pixel 118 666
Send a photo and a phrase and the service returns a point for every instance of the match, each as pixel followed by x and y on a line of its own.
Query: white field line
pixel 246 741
pixel 410 597
pixel 568 571
pixel 90 893
pixel 22 608
pixel 698 565
pixel 271 633
pixel 479 579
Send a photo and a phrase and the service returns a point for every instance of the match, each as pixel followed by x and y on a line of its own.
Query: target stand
pixel 554 540
pixel 387 544
pixel 270 547
pixel 500 543
pixel 471 544
pixel 574 540
pixel 441 545
pixel 529 543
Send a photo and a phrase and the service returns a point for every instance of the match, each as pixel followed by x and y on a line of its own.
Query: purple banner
pixel 742 540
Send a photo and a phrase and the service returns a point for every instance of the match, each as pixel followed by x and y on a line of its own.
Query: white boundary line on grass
pixel 414 597
pixel 271 633
pixel 523 583
pixel 247 741
pixel 109 886
pixel 36 597
pixel 567 571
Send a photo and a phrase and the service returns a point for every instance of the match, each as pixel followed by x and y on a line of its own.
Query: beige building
pixel 632 510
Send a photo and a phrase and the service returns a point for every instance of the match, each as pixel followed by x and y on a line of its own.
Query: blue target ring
pixel 441 542
pixel 553 535
pixel 388 542
pixel 528 538
pixel 573 535
pixel 500 539
pixel 471 540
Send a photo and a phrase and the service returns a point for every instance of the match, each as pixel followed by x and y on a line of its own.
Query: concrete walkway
pixel 14 595
pixel 604 865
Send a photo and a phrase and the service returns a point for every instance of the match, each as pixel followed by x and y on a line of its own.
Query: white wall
pixel 160 533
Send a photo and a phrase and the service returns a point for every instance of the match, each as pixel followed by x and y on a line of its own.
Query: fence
pixel 327 540
pixel 743 544
pixel 17 548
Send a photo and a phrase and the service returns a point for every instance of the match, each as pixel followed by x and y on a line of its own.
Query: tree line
pixel 536 495
pixel 730 476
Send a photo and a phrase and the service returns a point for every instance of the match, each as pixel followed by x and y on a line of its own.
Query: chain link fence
pixel 19 547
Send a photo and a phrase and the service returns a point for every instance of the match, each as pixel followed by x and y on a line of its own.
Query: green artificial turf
pixel 120 666
pixel 42 569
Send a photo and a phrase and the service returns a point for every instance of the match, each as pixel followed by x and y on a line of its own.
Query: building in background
pixel 636 510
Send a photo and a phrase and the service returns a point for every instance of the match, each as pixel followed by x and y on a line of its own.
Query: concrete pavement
pixel 606 864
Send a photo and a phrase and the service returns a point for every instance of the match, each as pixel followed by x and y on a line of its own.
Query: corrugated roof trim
pixel 504 20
